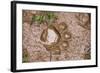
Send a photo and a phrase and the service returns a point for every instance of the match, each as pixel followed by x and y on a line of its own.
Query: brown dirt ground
pixel 78 45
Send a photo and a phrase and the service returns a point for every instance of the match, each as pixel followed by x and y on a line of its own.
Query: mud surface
pixel 78 45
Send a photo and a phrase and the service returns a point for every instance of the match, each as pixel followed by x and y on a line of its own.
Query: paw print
pixel 84 20
pixel 55 38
